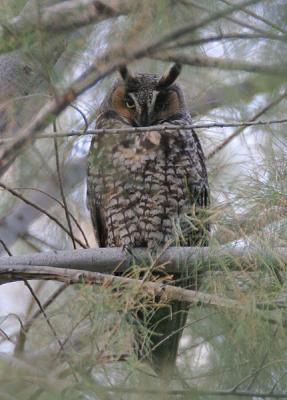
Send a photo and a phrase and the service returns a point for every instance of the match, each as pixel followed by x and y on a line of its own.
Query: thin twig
pixel 21 339
pixel 70 334
pixel 43 312
pixel 193 392
pixel 223 64
pixel 51 327
pixel 4 334
pixel 239 22
pixel 27 325
pixel 6 248
pixel 228 36
pixel 276 383
pixel 192 27
pixel 86 122
pixel 260 18
pixel 50 216
pixel 239 130
pixel 158 128
pixel 264 358
pixel 176 331
pixel 36 299
pixel 60 204
pixel 62 189
pixel 254 374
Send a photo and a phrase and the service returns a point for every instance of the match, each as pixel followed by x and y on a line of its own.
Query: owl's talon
pixel 128 250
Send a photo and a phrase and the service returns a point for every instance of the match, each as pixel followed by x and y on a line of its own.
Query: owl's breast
pixel 143 186
pixel 137 148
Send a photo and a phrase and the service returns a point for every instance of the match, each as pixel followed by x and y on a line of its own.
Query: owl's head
pixel 145 99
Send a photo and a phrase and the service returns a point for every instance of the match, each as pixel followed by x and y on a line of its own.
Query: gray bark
pixel 175 259
pixel 167 292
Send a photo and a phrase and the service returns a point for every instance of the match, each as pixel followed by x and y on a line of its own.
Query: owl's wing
pixel 99 157
pixel 192 161
pixel 96 210
pixel 94 192
pixel 202 189
pixel 196 226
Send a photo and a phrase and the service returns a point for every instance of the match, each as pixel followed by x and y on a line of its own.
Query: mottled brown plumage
pixel 148 189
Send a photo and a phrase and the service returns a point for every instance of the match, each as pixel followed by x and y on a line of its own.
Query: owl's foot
pixel 138 258
pixel 128 250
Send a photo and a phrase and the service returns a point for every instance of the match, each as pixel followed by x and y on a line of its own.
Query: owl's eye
pixel 129 102
pixel 160 107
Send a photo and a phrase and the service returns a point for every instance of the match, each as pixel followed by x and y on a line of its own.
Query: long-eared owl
pixel 149 189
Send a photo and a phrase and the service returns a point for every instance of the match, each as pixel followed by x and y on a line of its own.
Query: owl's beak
pixel 144 117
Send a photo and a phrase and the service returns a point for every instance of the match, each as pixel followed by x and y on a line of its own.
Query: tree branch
pixel 75 266
pixel 160 128
pixel 192 27
pixel 195 392
pixel 218 38
pixel 167 292
pixel 237 21
pixel 174 259
pixel 60 179
pixel 57 18
pixel 225 64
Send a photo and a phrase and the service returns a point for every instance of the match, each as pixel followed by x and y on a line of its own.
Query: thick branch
pixel 175 259
pixel 25 272
pixel 166 292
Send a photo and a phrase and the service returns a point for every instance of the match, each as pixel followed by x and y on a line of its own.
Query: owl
pixel 149 189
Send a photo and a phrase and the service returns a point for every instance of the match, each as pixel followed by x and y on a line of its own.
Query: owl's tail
pixel 158 332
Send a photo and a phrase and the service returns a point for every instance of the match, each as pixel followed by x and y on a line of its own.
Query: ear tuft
pixel 125 74
pixel 170 76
